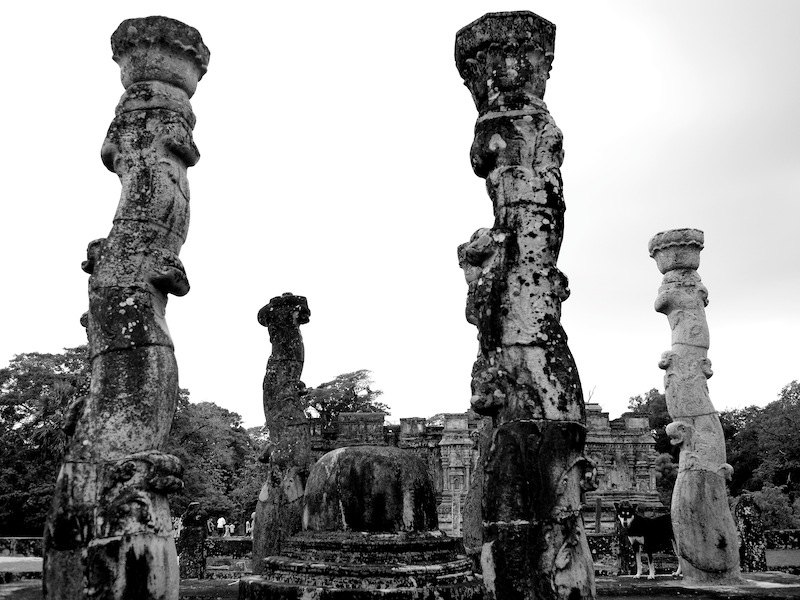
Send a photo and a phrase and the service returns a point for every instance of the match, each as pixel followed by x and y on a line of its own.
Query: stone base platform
pixel 339 565
pixel 771 585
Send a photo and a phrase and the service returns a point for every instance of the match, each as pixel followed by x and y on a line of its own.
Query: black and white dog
pixel 648 534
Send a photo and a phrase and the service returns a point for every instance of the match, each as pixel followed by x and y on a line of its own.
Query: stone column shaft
pixel 109 532
pixel 534 471
pixel 279 507
pixel 701 519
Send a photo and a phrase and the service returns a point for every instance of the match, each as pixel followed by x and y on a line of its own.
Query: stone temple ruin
pixel 623 450
pixel 360 521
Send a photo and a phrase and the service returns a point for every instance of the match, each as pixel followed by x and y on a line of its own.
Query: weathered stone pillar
pixel 534 544
pixel 701 519
pixel 750 530
pixel 191 544
pixel 109 533
pixel 280 502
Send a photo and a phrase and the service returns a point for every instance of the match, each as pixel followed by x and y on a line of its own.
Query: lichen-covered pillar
pixel 280 502
pixel 191 544
pixel 109 532
pixel 534 471
pixel 701 519
pixel 750 532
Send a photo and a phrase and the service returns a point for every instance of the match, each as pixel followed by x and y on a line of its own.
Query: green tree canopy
pixel 776 512
pixel 348 392
pixel 36 392
pixel 763 444
pixel 219 459
pixel 741 447
pixel 654 404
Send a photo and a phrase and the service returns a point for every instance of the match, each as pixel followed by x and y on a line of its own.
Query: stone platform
pixel 771 585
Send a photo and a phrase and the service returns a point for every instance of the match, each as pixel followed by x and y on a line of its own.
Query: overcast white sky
pixel 335 164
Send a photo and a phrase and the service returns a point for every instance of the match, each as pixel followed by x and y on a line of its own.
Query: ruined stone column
pixel 191 544
pixel 109 532
pixel 280 502
pixel 750 533
pixel 534 472
pixel 701 519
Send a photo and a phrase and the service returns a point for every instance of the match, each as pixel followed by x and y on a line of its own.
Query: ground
pixel 772 585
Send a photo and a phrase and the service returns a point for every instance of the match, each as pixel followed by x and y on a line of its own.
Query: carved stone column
pixel 109 532
pixel 534 545
pixel 280 502
pixel 701 519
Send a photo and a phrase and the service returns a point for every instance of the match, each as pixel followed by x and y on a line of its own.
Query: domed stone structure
pixel 369 529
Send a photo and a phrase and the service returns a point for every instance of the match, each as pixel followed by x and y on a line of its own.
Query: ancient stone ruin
pixel 369 531
pixel 534 471
pixel 701 519
pixel 280 502
pixel 109 532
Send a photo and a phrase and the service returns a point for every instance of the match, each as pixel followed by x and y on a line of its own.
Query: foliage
pixel 219 459
pixel 36 390
pixel 666 474
pixel 218 454
pixel 348 392
pixel 654 405
pixel 776 512
pixel 778 440
pixel 762 443
pixel 741 447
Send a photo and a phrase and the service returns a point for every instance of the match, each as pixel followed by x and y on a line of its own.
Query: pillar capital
pixel 160 49
pixel 505 59
pixel 285 310
pixel 676 249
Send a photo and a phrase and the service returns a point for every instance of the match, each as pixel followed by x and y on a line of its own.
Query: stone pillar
pixel 280 502
pixel 750 530
pixel 191 544
pixel 534 544
pixel 701 519
pixel 109 532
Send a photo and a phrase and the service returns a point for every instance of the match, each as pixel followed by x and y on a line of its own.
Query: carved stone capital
pixel 160 49
pixel 505 59
pixel 286 310
pixel 676 249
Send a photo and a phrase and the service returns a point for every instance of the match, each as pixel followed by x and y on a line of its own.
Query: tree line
pixel 220 456
pixel 762 445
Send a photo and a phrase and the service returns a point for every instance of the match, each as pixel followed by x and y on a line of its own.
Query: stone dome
pixel 370 489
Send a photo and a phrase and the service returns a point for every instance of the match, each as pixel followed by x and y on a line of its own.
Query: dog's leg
pixel 651 566
pixel 637 548
pixel 678 556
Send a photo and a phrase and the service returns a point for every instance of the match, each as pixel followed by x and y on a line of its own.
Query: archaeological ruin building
pixel 623 450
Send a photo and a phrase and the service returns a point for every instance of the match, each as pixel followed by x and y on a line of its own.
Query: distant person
pixel 221 526
pixel 210 526
pixel 248 528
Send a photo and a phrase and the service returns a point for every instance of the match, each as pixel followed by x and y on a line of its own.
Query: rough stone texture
pixel 369 488
pixel 750 530
pixel 109 532
pixel 370 531
pixel 191 544
pixel 238 547
pixel 701 519
pixel 534 544
pixel 279 507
